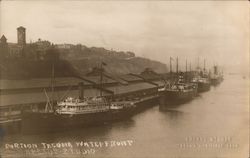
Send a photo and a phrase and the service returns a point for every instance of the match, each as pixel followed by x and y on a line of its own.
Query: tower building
pixel 21 36
pixel 3 47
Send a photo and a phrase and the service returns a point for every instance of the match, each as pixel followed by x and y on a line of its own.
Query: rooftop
pixel 21 27
pixel 130 78
pixel 40 97
pixel 3 38
pixel 38 83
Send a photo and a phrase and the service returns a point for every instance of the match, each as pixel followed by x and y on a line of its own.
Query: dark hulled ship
pixel 216 77
pixel 177 94
pixel 202 83
pixel 201 78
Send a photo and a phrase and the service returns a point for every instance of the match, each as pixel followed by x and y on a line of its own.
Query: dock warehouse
pixel 17 95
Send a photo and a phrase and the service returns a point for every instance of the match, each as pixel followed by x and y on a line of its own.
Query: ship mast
pixel 52 86
pixel 204 65
pixel 177 65
pixel 49 105
pixel 170 62
pixel 186 71
pixel 198 66
pixel 186 66
pixel 190 70
pixel 101 77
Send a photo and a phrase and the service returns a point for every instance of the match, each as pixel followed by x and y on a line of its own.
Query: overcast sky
pixel 217 31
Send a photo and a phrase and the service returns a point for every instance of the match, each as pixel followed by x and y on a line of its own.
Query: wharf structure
pixel 33 94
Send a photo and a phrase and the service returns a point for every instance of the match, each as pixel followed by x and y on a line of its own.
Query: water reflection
pixel 88 134
pixel 74 134
pixel 172 114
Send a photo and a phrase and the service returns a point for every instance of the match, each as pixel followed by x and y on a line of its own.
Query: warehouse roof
pixel 97 79
pixel 46 82
pixel 131 87
pixel 130 78
pixel 39 82
pixel 39 97
pixel 160 83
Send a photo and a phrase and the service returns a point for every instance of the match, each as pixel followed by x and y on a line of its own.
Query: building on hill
pixel 41 47
pixel 64 46
pixel 31 51
pixel 21 36
pixel 42 44
pixel 3 47
pixel 130 54
pixel 15 50
pixel 39 50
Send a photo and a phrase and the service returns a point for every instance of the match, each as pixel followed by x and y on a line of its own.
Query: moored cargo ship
pixel 203 84
pixel 216 77
pixel 177 94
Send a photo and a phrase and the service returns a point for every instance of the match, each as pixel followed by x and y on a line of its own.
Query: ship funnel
pixel 81 90
pixel 215 70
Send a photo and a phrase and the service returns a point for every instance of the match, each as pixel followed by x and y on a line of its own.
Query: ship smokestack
pixel 216 70
pixel 81 90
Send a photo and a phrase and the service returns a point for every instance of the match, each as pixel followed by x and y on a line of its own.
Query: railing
pixel 81 111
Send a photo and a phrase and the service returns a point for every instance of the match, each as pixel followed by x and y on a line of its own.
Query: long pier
pixel 19 95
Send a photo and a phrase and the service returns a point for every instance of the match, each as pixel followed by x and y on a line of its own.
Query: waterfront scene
pixel 213 124
pixel 108 79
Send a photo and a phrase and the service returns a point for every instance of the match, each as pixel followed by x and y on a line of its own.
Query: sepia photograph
pixel 124 79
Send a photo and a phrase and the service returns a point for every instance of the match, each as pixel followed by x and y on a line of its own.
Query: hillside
pixel 74 61
pixel 25 69
pixel 117 66
pixel 83 59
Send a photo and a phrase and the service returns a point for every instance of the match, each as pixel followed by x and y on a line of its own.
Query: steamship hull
pixel 146 102
pixel 203 86
pixel 37 122
pixel 172 98
pixel 216 80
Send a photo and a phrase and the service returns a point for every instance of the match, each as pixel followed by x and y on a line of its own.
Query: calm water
pixel 215 124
